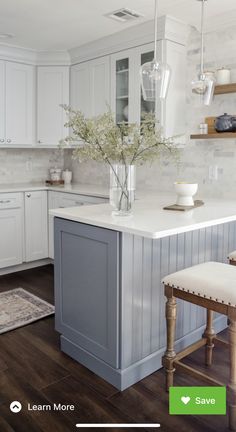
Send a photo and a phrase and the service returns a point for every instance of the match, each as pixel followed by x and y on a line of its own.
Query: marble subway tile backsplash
pixel 87 172
pixel 28 165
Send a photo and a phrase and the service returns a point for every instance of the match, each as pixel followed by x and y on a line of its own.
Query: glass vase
pixel 122 189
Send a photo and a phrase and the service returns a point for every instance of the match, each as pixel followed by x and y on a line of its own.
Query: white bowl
pixel 185 193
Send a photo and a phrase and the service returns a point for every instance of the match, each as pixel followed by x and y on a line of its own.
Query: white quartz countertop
pixel 150 220
pixel 82 189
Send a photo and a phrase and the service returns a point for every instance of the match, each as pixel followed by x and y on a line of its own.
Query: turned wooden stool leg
pixel 232 382
pixel 209 333
pixel 169 356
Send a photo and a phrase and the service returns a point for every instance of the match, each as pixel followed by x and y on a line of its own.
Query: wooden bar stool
pixel 232 258
pixel 211 285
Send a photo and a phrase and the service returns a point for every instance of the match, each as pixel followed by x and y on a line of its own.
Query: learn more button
pixel 197 400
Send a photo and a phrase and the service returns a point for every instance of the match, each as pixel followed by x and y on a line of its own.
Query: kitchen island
pixel 110 304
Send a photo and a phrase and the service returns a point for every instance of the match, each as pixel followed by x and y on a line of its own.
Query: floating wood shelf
pixel 216 135
pixel 225 88
pixel 219 89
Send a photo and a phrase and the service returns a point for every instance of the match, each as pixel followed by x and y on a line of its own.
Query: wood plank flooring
pixel 33 370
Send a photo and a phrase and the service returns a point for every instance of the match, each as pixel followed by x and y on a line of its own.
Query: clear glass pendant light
pixel 155 76
pixel 204 85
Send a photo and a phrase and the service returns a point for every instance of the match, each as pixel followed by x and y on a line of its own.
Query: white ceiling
pixel 64 24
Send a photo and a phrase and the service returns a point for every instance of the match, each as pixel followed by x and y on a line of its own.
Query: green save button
pixel 197 400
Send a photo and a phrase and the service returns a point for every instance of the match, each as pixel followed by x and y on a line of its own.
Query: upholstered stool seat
pixel 212 280
pixel 211 285
pixel 232 257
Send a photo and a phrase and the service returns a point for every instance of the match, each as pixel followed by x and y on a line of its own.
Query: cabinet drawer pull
pixel 28 195
pixel 9 140
pixel 79 203
pixel 5 201
pixel 1 140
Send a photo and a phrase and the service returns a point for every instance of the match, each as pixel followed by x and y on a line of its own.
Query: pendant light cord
pixel 202 39
pixel 155 32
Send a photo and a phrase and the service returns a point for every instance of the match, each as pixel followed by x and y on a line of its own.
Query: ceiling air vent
pixel 124 15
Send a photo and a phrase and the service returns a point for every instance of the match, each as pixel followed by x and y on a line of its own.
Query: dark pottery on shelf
pixel 225 123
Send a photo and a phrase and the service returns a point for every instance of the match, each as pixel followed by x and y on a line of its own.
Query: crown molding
pixel 18 54
pixel 53 58
pixel 168 28
pixel 33 57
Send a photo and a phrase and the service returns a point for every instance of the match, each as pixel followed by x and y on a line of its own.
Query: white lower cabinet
pixel 63 200
pixel 11 229
pixel 36 225
pixel 26 229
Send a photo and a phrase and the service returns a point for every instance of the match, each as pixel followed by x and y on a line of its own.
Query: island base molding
pixel 122 379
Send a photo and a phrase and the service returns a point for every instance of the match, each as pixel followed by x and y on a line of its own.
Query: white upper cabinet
pixel 144 54
pixel 52 91
pixel 90 86
pixel 99 77
pixel 122 86
pixel 127 100
pixel 174 112
pixel 20 103
pixel 17 104
pixel 80 88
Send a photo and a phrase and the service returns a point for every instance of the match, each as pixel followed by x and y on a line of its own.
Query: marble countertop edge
pixel 74 188
pixel 150 220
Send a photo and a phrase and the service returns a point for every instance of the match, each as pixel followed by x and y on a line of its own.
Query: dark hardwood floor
pixel 33 370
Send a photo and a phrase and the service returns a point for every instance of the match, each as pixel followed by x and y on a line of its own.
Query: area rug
pixel 18 307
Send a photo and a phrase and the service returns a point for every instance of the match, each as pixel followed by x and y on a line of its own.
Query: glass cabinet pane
pixel 146 106
pixel 122 90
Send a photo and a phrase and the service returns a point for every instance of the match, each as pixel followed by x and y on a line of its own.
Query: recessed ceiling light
pixel 6 35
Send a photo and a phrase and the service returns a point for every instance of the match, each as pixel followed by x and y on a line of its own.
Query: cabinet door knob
pixel 1 140
pixel 28 195
pixel 9 140
pixel 39 142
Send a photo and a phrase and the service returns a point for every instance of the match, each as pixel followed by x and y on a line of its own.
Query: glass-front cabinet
pixel 127 101
pixel 122 90
pixel 122 71
pixel 146 106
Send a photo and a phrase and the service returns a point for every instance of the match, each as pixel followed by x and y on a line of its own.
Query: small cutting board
pixel 55 182
pixel 197 203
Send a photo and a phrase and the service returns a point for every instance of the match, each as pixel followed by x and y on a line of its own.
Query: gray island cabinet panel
pixel 86 288
pixel 110 303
